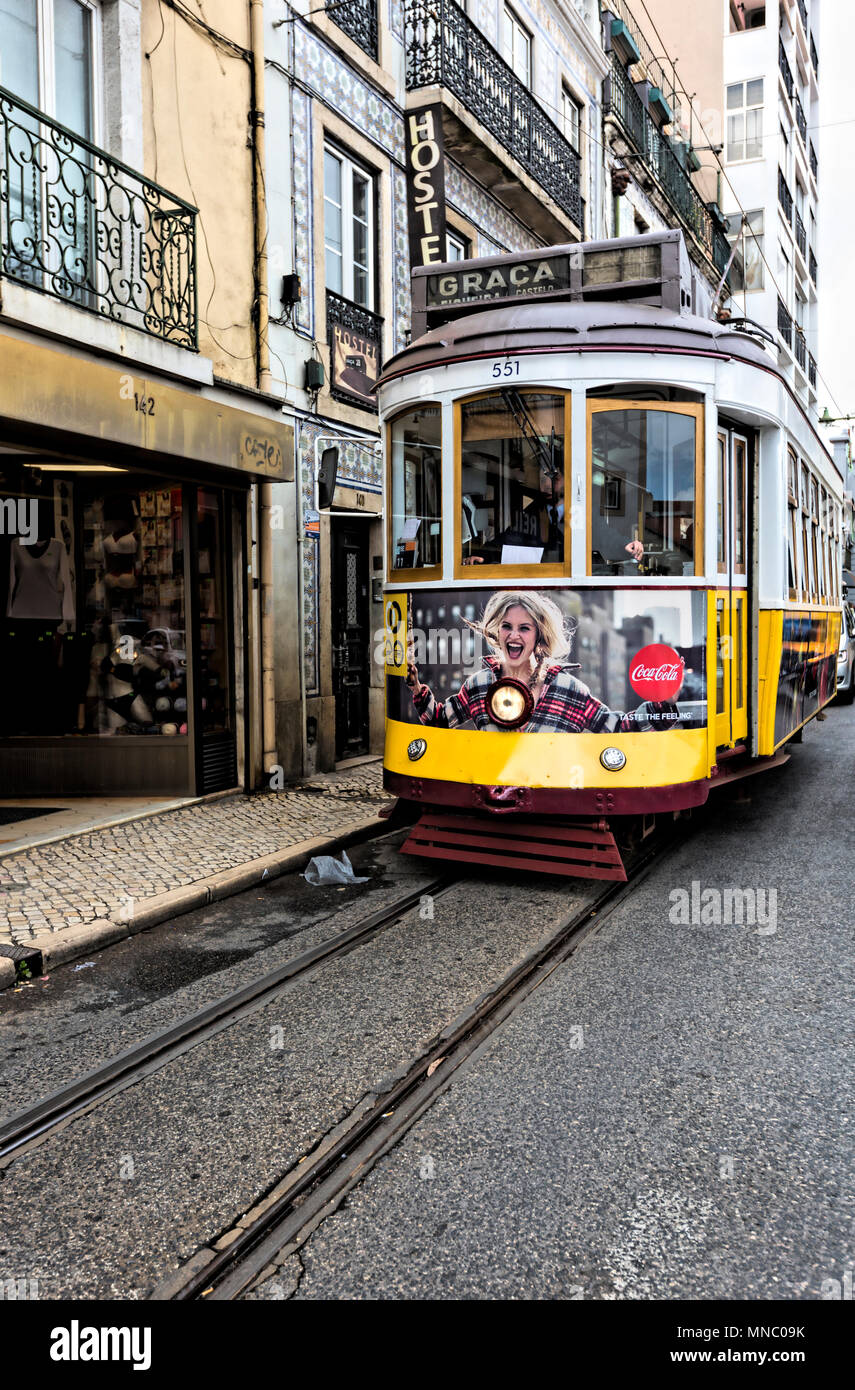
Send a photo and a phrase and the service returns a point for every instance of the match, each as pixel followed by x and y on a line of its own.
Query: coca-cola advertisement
pixel 530 659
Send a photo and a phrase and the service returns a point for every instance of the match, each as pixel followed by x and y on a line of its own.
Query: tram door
pixel 731 695
pixel 350 637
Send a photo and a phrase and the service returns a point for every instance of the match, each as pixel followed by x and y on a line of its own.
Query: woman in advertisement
pixel 528 636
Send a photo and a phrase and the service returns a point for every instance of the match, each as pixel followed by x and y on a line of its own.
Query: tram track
pixel 314 1188
pixel 56 1110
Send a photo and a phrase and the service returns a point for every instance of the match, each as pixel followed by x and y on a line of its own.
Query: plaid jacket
pixel 565 705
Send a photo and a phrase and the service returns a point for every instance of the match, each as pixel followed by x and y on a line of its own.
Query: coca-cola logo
pixel 656 672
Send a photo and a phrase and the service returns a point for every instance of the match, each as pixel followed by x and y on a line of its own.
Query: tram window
pixel 642 491
pixel 416 493
pixel 739 474
pixel 792 531
pixel 512 479
pixel 739 654
pixel 721 545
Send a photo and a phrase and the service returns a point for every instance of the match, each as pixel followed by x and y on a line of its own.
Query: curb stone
pixel 58 948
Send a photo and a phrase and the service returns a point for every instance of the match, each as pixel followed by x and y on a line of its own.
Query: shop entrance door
pixel 350 635
pixel 212 593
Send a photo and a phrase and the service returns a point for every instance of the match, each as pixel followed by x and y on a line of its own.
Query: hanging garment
pixel 39 582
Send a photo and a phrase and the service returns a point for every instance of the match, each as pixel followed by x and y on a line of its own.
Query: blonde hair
pixel 554 635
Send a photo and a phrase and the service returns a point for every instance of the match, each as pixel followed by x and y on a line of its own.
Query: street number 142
pixel 505 368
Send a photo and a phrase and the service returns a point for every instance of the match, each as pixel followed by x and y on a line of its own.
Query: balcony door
pixel 49 51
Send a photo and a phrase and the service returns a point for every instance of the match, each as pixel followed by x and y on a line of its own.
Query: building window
pixel 348 228
pixel 516 45
pixel 571 112
pixel 747 14
pixel 48 56
pixel 745 120
pixel 457 248
pixel 747 269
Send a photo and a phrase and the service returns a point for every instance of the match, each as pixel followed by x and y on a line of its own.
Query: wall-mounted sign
pixel 425 186
pixel 522 279
pixel 355 362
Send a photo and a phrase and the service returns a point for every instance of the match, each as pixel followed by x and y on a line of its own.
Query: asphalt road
pixel 670 1116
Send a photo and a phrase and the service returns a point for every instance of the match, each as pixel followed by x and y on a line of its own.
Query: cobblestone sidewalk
pixel 109 873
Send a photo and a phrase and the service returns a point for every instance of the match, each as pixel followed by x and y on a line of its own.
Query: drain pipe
pixel 270 758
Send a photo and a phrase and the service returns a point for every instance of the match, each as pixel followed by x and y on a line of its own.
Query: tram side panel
pixel 798 670
pixel 622 725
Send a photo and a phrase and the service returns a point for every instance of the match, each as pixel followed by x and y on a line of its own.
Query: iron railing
pixel 78 224
pixel 359 346
pixel 812 266
pixel 651 65
pixel 785 323
pixel 785 197
pixel 786 70
pixel 803 12
pixel 801 234
pixel 801 347
pixel 812 369
pixel 357 19
pixel 814 56
pixel 626 106
pixel 444 48
pixel 813 164
pixel 801 120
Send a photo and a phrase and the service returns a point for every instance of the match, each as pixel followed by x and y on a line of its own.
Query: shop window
pixel 415 522
pixel 643 466
pixel 512 479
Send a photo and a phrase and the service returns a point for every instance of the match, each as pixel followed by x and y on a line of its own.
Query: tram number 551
pixel 506 368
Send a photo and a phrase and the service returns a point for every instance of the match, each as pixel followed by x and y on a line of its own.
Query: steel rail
pixel 140 1060
pixel 315 1186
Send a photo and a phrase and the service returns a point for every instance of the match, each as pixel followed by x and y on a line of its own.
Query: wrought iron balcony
pixel 801 347
pixel 814 56
pixel 812 370
pixel 813 164
pixel 785 323
pixel 785 197
pixel 801 120
pixel 444 48
pixel 801 234
pixel 357 19
pixel 81 226
pixel 355 338
pixel 786 70
pixel 627 108
pixel 803 12
pixel 812 266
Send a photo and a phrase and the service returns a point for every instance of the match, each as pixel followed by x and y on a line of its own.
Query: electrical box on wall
pixel 314 374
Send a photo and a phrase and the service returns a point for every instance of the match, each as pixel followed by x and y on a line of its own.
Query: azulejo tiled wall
pixel 502 229
pixel 359 466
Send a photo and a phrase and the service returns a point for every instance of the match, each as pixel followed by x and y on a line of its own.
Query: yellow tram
pixel 613 561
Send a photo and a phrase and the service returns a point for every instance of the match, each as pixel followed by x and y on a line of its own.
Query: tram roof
pixel 556 325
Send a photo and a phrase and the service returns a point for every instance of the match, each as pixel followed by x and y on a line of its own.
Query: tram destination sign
pixel 516 280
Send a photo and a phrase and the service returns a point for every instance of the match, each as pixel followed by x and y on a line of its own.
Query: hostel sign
pixel 425 186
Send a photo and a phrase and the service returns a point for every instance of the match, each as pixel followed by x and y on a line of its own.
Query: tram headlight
pixel 509 703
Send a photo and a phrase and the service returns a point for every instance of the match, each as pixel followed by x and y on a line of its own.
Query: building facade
pixel 138 436
pixel 657 161
pixel 754 67
pixel 511 95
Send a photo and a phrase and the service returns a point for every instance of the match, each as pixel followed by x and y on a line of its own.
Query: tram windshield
pixel 416 539
pixel 512 478
pixel 643 464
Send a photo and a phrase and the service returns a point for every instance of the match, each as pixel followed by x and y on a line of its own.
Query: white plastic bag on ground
pixel 325 870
